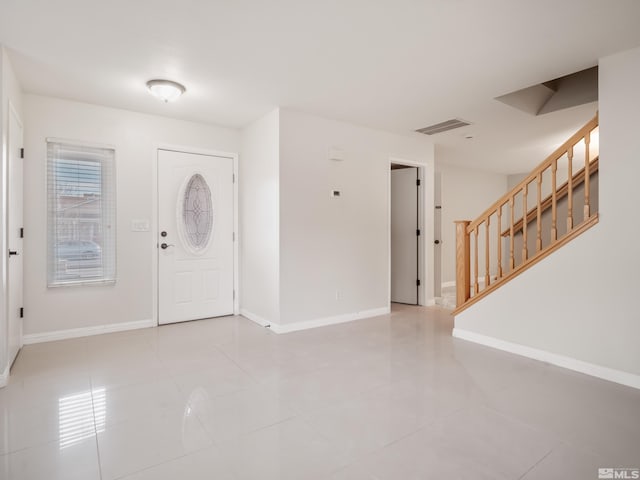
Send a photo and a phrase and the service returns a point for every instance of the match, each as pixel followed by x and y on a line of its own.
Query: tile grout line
pixel 95 428
pixel 536 464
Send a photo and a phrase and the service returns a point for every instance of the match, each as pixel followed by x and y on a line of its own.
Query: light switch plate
pixel 139 225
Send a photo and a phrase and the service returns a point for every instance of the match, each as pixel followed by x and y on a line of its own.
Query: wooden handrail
pixel 493 273
pixel 558 152
pixel 583 227
pixel 560 193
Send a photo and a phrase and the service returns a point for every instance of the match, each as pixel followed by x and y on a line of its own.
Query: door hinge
pixel 234 236
pixel 22 153
pixel 234 294
pixel 417 182
pixel 233 178
pixel 21 232
pixel 21 312
pixel 418 283
pixel 418 232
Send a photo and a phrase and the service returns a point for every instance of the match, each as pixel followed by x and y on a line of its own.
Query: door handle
pixel 12 253
pixel 164 246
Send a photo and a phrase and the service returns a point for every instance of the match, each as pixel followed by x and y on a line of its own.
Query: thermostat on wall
pixel 335 193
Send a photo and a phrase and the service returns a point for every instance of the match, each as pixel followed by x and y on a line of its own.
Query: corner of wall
pixel 259 219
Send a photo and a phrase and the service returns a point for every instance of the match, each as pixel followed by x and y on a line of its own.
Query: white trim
pixel 404 161
pixel 606 373
pixel 4 377
pixel 236 243
pixel 263 322
pixel 80 143
pixel 431 302
pixel 323 322
pixel 86 331
pixel 425 208
pixel 6 293
pixel 448 284
pixel 195 150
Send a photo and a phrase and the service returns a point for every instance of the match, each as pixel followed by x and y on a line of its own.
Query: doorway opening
pixel 406 231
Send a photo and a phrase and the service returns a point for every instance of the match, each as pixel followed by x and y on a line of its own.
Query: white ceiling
pixel 395 65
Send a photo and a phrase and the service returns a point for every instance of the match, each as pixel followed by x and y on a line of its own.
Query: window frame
pixel 105 155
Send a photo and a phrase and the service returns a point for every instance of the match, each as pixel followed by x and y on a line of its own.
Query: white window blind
pixel 81 233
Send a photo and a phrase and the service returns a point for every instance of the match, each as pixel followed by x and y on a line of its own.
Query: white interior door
pixel 14 237
pixel 404 239
pixel 195 236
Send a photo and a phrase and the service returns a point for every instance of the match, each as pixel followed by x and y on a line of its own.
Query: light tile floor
pixel 392 397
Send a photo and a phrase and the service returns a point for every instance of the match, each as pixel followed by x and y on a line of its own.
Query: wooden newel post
pixel 463 262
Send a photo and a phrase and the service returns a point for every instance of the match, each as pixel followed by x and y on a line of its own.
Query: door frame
pixel 11 111
pixel 155 229
pixel 426 207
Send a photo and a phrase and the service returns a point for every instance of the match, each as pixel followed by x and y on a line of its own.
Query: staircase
pixel 447 298
pixel 555 203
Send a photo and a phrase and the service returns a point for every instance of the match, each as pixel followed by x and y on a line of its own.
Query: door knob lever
pixel 164 246
pixel 12 253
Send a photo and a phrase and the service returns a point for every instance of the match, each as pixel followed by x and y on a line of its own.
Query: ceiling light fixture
pixel 165 90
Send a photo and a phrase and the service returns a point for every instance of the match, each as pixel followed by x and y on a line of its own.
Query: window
pixel 197 214
pixel 81 230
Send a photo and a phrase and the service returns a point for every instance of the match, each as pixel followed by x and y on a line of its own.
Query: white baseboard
pixel 323 322
pixel 429 303
pixel 448 284
pixel 263 322
pixel 4 377
pixel 606 373
pixel 85 331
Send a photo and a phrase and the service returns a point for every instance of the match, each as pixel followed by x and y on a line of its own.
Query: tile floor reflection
pixel 390 397
pixel 80 416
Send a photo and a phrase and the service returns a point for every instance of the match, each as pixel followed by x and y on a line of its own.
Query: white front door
pixel 404 239
pixel 14 237
pixel 195 236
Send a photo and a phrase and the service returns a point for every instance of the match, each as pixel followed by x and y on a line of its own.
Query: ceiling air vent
pixel 443 127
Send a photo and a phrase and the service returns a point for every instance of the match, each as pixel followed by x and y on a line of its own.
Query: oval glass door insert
pixel 197 214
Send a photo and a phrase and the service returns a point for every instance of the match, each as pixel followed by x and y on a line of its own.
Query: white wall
pixel 339 247
pixel 515 179
pixel 10 91
pixel 465 195
pixel 259 219
pixel 586 293
pixel 136 138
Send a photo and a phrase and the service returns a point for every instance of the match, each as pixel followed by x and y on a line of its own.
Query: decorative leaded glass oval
pixel 197 213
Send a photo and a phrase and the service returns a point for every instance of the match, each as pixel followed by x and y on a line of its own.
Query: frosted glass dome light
pixel 165 90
